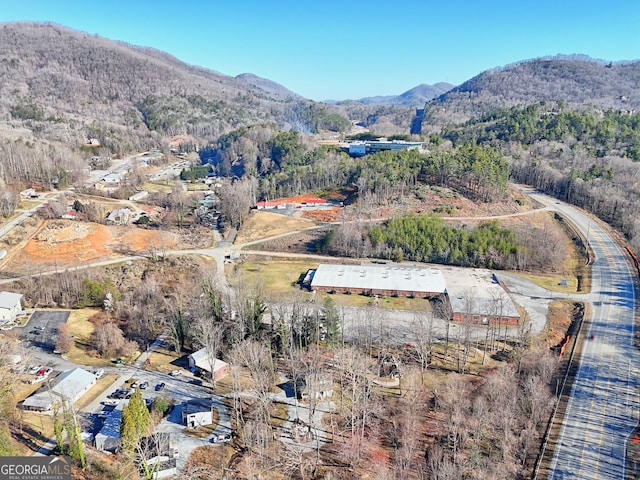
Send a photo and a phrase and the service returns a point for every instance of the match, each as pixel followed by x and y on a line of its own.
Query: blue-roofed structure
pixel 108 438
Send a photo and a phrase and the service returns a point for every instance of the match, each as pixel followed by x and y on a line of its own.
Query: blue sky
pixel 339 49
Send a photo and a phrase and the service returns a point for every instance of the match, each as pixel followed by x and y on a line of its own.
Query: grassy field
pixel 579 273
pixel 81 328
pixel 277 276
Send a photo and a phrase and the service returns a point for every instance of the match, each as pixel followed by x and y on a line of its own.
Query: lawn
pixel 81 328
pixel 278 277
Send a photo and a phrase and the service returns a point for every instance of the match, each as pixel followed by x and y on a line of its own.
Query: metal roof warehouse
pixel 384 280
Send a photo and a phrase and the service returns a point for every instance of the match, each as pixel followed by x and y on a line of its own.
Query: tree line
pixel 586 157
pixel 287 164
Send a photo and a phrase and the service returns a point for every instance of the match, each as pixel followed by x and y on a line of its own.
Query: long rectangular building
pixel 383 280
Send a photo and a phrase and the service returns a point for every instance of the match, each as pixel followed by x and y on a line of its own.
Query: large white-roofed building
pixel 401 280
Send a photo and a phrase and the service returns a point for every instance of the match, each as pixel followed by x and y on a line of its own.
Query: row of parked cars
pixel 40 372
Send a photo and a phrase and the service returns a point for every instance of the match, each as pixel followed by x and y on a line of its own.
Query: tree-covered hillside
pixel 59 88
pixel 576 80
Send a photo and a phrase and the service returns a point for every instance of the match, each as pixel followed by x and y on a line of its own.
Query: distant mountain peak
pixel 415 97
pixel 267 85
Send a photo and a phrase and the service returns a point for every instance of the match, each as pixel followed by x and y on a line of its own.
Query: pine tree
pixel 136 422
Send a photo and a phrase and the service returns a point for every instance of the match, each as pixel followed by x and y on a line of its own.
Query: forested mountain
pixel 67 85
pixel 60 87
pixel 575 80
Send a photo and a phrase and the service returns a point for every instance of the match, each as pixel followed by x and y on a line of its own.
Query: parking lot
pixel 42 329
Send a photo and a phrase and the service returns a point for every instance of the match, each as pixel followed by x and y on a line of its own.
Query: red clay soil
pixel 69 243
pixel 322 215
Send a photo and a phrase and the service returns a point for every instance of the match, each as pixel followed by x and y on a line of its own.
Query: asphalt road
pixel 602 410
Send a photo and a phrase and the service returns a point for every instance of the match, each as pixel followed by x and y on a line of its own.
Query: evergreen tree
pixel 136 422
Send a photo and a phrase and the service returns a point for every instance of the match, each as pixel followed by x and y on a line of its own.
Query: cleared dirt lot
pixel 262 224
pixel 68 243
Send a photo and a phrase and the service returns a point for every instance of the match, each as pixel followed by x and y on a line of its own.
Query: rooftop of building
pixel 389 277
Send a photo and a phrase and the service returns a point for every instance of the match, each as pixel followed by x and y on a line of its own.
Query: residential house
pixel 120 216
pixel 10 306
pixel 314 385
pixel 201 361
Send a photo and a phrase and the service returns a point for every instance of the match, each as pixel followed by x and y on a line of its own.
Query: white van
pixel 99 373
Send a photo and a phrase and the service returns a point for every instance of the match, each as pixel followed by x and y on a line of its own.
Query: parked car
pixel 48 371
pixel 144 385
pixel 160 386
pixel 34 369
pixel 103 414
pixel 99 373
pixel 39 327
pixel 40 373
pixel 222 438
pixel 196 381
pixel 111 403
pixel 176 373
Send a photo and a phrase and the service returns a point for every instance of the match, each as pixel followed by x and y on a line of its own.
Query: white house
pixel 10 306
pixel 197 412
pixel 119 216
pixel 201 361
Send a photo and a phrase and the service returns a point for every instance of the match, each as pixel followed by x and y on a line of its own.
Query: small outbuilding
pixel 197 412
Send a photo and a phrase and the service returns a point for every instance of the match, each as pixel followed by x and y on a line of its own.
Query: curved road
pixel 602 411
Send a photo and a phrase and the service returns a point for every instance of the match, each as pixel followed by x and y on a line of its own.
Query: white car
pixel 111 402
pixel 99 373
pixel 35 369
pixel 176 373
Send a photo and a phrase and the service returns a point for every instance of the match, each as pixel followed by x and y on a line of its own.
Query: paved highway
pixel 602 410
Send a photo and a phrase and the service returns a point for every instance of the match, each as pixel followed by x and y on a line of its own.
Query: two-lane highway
pixel 602 410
